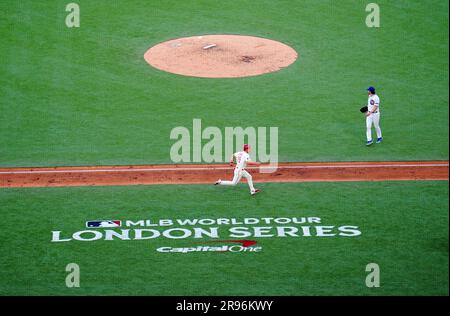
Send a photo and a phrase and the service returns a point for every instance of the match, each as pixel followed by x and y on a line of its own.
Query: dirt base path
pixel 208 174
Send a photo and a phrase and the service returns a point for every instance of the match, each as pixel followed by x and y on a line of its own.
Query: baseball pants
pixel 238 174
pixel 374 119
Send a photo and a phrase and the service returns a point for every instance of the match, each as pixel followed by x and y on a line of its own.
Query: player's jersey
pixel 241 159
pixel 372 101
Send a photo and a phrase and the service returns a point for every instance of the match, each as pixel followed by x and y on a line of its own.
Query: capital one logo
pixel 239 246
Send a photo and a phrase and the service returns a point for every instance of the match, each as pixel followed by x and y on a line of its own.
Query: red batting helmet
pixel 246 146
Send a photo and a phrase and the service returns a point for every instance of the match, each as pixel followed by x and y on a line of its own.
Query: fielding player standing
pixel 242 160
pixel 373 116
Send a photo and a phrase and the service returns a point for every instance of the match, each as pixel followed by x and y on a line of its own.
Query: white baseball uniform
pixel 373 118
pixel 239 171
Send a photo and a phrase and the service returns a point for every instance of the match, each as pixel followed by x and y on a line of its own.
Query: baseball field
pixel 95 200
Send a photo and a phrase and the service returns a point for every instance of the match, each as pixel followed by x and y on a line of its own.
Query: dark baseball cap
pixel 371 89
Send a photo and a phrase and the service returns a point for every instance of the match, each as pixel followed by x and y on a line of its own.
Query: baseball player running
pixel 242 160
pixel 373 116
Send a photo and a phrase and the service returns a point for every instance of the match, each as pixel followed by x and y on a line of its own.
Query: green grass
pixel 86 96
pixel 404 229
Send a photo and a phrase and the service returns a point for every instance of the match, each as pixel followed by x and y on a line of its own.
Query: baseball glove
pixel 364 109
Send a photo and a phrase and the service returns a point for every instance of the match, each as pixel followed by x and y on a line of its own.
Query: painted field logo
pixel 103 224
pixel 245 246
pixel 222 229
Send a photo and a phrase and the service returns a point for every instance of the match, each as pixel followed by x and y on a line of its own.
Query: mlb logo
pixel 103 224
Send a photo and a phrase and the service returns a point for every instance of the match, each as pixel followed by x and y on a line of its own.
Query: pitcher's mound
pixel 220 56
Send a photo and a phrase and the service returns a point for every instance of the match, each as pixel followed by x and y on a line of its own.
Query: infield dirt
pixel 208 174
pixel 220 56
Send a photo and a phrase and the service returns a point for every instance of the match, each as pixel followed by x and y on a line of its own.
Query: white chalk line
pixel 222 168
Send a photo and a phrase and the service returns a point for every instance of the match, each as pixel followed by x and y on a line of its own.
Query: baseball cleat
pixel 217 182
pixel 256 191
pixel 379 140
pixel 370 142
